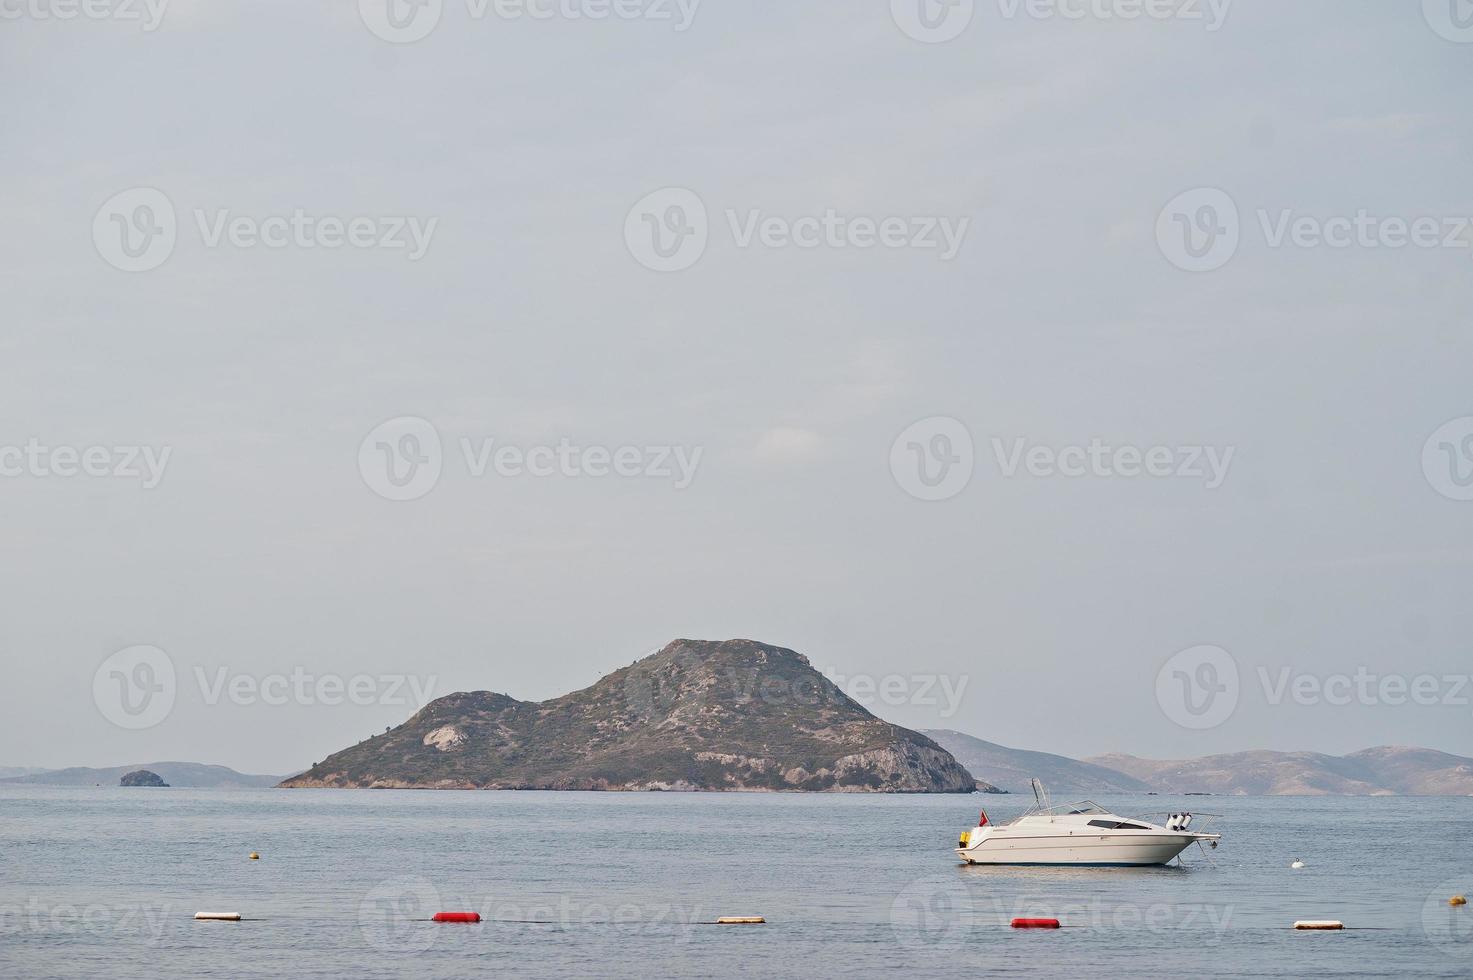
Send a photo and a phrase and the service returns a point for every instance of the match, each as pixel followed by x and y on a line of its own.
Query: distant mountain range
pixel 177 774
pixel 696 715
pixel 1384 771
pixel 1012 769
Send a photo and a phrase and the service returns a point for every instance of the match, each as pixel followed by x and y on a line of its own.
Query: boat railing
pixel 1196 822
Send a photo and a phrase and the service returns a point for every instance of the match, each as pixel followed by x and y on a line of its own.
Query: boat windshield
pixel 1072 809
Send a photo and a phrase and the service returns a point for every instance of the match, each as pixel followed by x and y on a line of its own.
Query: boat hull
pixel 1103 850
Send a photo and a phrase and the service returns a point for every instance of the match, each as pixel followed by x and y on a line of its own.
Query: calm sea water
pixel 104 882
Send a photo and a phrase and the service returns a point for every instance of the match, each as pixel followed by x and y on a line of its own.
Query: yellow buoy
pixel 1457 900
pixel 255 856
pixel 740 920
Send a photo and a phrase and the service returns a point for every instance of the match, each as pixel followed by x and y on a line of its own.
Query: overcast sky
pixel 1027 232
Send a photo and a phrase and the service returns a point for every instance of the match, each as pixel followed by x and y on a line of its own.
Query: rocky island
pixel 696 715
pixel 142 777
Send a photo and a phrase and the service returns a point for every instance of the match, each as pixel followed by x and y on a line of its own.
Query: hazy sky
pixel 1310 360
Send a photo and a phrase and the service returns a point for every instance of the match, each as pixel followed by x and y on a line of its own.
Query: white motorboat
pixel 1082 834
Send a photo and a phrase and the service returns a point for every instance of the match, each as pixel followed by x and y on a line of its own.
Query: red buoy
pixel 457 917
pixel 1035 923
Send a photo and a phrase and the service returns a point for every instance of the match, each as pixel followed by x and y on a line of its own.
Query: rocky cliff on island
pixel 696 715
pixel 142 777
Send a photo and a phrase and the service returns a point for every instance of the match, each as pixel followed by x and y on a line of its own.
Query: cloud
pixel 785 444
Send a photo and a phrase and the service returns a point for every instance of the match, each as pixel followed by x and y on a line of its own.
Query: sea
pixel 105 882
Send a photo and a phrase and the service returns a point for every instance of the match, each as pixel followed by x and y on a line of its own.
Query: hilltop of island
pixel 696 715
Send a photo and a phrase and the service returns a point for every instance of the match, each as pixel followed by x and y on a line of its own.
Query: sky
pixel 1082 381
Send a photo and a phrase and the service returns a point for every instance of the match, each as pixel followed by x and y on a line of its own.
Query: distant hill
pixel 697 715
pixel 177 774
pixel 1384 771
pixel 1012 769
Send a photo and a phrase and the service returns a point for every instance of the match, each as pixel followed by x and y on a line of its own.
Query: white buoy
pixel 1298 864
pixel 1319 924
pixel 218 916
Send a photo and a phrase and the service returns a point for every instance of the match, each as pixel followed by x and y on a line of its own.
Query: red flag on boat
pixel 982 820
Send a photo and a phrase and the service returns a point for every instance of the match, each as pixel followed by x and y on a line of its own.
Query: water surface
pixel 104 882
